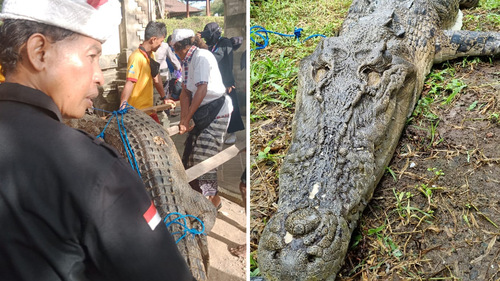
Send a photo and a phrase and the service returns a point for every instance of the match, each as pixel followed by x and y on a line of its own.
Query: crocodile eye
pixel 361 55
pixel 340 54
pixel 319 71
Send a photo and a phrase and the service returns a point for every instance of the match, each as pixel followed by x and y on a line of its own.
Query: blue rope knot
pixel 297 32
pixel 187 230
pixel 123 134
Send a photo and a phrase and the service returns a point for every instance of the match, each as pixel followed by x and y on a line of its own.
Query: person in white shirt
pixel 163 54
pixel 203 99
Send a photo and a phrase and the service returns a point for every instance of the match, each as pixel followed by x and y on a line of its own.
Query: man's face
pixel 74 74
pixel 156 43
pixel 182 53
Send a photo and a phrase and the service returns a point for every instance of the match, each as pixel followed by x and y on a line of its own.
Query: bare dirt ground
pixel 229 231
pixel 437 216
pixel 230 227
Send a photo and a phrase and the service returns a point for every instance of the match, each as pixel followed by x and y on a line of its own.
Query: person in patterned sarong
pixel 203 99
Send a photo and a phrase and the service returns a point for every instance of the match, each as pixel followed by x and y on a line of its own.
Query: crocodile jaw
pixel 311 252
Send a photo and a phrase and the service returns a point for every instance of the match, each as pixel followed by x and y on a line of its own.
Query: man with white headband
pixel 70 207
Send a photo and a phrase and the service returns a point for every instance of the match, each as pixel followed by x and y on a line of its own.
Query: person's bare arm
pixel 126 92
pixel 187 114
pixel 199 95
pixel 159 87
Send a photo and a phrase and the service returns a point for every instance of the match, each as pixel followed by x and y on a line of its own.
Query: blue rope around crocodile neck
pixel 123 134
pixel 259 31
pixel 183 224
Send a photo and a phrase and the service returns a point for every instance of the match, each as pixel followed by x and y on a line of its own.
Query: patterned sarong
pixel 206 145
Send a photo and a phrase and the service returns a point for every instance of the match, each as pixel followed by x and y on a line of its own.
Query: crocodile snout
pixel 302 222
pixel 302 245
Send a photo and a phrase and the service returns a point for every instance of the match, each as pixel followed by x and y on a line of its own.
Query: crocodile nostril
pixel 311 258
pixel 302 221
pixel 276 255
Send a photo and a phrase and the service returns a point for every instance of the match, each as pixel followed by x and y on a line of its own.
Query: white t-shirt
pixel 161 57
pixel 203 68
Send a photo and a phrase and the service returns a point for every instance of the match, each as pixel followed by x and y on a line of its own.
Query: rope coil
pixel 187 230
pixel 263 34
pixel 123 134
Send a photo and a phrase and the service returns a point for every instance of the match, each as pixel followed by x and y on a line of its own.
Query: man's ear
pixel 36 50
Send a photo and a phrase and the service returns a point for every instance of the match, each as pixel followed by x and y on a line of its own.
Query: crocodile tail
pixel 451 44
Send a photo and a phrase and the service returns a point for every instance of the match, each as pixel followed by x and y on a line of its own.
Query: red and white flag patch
pixel 96 3
pixel 152 217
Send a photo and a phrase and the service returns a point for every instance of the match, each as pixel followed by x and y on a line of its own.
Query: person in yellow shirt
pixel 143 71
pixel 2 78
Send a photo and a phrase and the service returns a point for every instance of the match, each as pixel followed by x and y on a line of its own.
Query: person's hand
pixel 171 102
pixel 184 126
pixel 123 105
pixel 229 89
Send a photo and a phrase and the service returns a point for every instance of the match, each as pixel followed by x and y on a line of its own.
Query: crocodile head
pixel 354 97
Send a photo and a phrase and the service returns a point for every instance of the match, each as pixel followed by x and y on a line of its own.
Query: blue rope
pixel 312 36
pixel 186 228
pixel 123 134
pixel 263 34
pixel 135 166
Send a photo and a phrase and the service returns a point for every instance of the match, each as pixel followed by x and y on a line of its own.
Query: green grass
pixel 266 155
pixel 443 89
pixel 254 268
pixel 455 87
pixel 274 81
pixel 391 172
pixel 494 18
pixel 194 23
pixel 489 4
pixel 436 82
pixel 478 22
pixel 273 74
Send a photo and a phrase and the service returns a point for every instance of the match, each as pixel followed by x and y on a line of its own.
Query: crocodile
pixel 164 177
pixel 355 93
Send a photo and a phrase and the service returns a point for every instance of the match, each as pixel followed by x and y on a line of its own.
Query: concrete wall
pixel 235 25
pixel 135 16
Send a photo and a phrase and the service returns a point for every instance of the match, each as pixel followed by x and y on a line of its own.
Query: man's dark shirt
pixel 223 52
pixel 70 207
